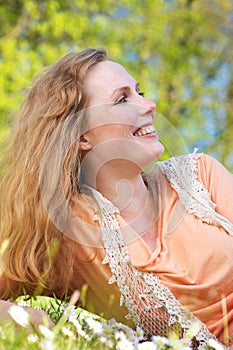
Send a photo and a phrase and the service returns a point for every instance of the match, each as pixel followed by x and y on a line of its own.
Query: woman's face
pixel 118 116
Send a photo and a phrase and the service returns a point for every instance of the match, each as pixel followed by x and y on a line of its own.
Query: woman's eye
pixel 122 99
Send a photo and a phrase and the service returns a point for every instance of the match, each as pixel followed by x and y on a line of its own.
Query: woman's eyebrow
pixel 137 86
pixel 124 89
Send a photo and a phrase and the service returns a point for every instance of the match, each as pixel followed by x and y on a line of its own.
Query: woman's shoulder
pixel 180 168
pixel 187 175
pixel 192 164
pixel 199 180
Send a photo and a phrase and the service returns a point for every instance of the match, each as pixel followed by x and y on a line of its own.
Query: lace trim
pixel 141 292
pixel 182 173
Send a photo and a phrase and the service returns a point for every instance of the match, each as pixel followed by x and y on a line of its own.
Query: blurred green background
pixel 180 51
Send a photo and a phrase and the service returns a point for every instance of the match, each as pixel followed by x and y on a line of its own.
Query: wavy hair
pixel 45 139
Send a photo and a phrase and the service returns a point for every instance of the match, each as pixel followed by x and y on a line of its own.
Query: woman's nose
pixel 148 106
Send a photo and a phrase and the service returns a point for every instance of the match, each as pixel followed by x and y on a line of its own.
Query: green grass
pixel 74 329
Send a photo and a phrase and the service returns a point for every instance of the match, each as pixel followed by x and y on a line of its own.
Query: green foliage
pixel 179 50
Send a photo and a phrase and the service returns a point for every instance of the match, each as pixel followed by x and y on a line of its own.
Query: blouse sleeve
pixel 219 182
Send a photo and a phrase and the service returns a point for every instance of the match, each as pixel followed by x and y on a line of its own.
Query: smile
pixel 145 130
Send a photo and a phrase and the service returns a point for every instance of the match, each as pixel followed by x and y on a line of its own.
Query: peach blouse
pixel 194 259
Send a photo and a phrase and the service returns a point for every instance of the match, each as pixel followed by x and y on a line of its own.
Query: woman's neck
pixel 129 193
pixel 125 188
pixel 121 182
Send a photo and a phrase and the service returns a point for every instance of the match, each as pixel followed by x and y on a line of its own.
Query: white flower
pixel 46 344
pixel 124 345
pixel 181 344
pixel 84 314
pixel 160 341
pixel 32 338
pixel 47 333
pixel 120 336
pixel 107 330
pixel 19 315
pixel 185 342
pixel 78 327
pixel 139 333
pixel 135 336
pixel 102 340
pixel 69 311
pixel 129 333
pixel 214 344
pixel 133 339
pixel 94 325
pixel 147 345
pixel 112 321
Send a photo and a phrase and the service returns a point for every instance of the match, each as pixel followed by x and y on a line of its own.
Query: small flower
pixel 160 341
pixel 102 340
pixel 94 325
pixel 84 314
pixel 133 339
pixel 139 333
pixel 129 333
pixel 47 333
pixel 69 311
pixel 120 336
pixel 125 345
pixel 107 330
pixel 19 315
pixel 112 321
pixel 32 338
pixel 78 327
pixel 185 342
pixel 147 345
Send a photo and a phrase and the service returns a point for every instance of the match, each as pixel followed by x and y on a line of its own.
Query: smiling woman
pixel 77 207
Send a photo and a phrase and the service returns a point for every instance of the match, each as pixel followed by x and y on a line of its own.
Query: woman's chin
pixel 158 150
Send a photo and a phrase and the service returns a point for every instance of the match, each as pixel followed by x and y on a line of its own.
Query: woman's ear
pixel 84 143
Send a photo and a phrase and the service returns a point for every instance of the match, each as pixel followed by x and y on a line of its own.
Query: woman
pixel 76 209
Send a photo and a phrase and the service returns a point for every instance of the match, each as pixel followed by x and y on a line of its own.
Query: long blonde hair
pixel 53 107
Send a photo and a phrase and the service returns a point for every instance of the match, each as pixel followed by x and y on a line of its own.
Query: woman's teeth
pixel 144 131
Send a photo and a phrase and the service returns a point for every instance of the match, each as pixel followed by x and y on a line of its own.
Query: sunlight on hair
pixel 4 245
